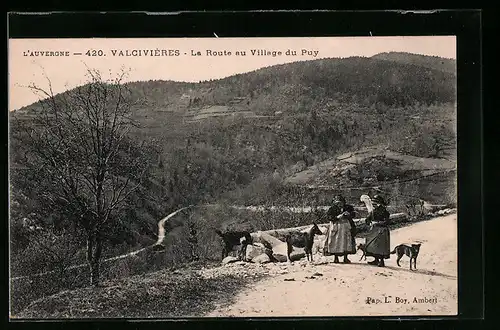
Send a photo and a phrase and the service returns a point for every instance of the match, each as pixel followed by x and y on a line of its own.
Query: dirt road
pixel 359 289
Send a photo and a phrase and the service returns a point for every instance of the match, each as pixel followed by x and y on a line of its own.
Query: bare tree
pixel 80 144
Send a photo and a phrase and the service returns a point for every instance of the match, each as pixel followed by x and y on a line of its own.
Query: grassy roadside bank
pixel 162 294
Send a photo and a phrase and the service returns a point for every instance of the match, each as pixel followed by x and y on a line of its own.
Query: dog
pixel 302 240
pixel 362 248
pixel 232 239
pixel 411 251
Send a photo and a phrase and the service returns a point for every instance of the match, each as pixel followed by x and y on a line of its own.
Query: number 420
pixel 94 52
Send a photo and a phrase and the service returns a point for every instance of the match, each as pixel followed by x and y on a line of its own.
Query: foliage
pixel 81 158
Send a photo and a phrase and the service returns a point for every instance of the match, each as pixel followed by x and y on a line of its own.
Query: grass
pixel 162 294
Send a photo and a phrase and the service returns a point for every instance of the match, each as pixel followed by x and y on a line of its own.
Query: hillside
pixel 431 62
pixel 304 86
pixel 395 79
pixel 403 177
pixel 253 123
pixel 346 166
pixel 243 140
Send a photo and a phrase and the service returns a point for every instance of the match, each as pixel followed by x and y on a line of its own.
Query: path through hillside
pixel 343 290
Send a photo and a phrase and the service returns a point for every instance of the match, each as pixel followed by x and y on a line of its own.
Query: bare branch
pixel 80 146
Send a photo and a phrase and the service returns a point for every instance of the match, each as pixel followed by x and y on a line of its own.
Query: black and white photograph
pixel 160 178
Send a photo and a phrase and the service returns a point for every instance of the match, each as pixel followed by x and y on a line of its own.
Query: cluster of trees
pixel 354 79
pixel 431 62
pixel 389 79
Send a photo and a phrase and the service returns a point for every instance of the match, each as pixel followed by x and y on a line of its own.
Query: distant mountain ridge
pixel 389 78
pixel 433 62
pixel 252 123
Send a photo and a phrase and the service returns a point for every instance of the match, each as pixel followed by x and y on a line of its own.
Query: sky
pixel 66 72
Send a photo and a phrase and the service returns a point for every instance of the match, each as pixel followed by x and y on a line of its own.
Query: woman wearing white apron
pixel 340 235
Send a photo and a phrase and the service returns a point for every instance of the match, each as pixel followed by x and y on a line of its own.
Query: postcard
pixel 233 177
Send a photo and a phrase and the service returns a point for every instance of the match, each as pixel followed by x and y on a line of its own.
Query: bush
pixel 48 252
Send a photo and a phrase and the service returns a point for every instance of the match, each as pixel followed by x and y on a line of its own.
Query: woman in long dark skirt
pixel 340 235
pixel 378 240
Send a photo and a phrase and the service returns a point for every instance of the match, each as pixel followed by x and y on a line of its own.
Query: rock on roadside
pixel 229 259
pixel 253 251
pixel 262 259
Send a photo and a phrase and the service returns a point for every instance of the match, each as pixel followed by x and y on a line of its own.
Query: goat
pixel 302 240
pixel 234 238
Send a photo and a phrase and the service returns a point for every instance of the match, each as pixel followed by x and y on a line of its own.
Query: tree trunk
pixel 94 251
pixel 90 248
pixel 94 273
